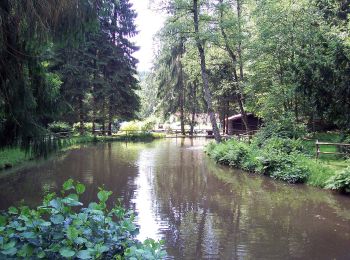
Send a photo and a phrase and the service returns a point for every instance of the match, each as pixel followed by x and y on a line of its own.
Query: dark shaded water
pixel 203 211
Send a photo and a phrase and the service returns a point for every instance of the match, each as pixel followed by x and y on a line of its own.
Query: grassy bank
pixel 15 156
pixel 10 157
pixel 284 159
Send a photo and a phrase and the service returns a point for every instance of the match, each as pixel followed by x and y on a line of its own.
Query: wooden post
pixel 317 150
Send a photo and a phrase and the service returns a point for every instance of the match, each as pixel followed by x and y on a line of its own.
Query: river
pixel 201 210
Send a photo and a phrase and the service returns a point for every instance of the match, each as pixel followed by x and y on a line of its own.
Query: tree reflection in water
pixel 201 210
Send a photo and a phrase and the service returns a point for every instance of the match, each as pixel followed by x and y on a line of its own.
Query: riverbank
pixel 283 159
pixel 16 156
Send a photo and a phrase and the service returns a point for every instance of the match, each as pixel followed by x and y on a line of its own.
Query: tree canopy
pixel 273 58
pixel 65 60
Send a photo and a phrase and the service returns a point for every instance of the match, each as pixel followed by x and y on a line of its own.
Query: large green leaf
pixel 10 251
pixel 28 235
pixel 57 219
pixel 55 203
pixel 13 210
pixel 68 185
pixel 104 195
pixel 84 254
pixel 80 188
pixel 72 233
pixel 66 252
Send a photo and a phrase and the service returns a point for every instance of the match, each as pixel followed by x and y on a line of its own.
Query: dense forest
pixel 69 76
pixel 68 61
pixel 283 60
pixel 73 62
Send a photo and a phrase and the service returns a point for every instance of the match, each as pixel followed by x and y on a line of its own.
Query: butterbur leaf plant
pixel 61 228
pixel 340 181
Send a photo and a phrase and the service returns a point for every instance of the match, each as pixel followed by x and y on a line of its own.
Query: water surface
pixel 201 210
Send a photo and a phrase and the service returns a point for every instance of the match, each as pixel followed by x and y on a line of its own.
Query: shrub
pixel 319 172
pixel 271 160
pixel 235 154
pixel 210 147
pixel 131 126
pixel 57 127
pixel 219 151
pixel 285 167
pixel 12 156
pixel 283 127
pixel 60 228
pixel 148 124
pixel 345 149
pixel 252 162
pixel 340 181
pixel 285 145
pixel 87 127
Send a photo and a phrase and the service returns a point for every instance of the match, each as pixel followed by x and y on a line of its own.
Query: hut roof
pixel 238 117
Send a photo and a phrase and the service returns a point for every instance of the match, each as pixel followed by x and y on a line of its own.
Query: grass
pixel 328 164
pixel 10 157
pixel 275 160
pixel 319 172
pixel 333 161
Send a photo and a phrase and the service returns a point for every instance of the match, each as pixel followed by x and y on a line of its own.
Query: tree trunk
pixel 104 117
pixel 94 107
pixel 194 104
pixel 239 49
pixel 207 94
pixel 110 116
pixel 296 108
pixel 227 123
pixel 239 80
pixel 94 98
pixel 182 102
pixel 182 116
pixel 81 115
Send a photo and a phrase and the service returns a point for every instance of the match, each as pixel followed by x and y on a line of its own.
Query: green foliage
pixel 87 127
pixel 146 125
pixel 29 92
pixel 278 159
pixel 131 126
pixel 62 228
pixel 85 77
pixel 285 167
pixel 235 154
pixel 319 172
pixel 148 251
pixel 283 127
pixel 340 181
pixel 57 127
pixel 12 156
pixel 285 145
pixel 283 159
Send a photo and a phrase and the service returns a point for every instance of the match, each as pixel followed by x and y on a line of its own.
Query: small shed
pixel 235 125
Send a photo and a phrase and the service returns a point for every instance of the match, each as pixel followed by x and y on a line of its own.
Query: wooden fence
pixel 319 144
pixel 245 137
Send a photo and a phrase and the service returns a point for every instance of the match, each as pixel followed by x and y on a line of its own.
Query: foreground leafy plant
pixel 340 181
pixel 61 228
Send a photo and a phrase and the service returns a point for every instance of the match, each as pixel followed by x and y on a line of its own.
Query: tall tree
pixel 236 62
pixel 27 29
pixel 206 89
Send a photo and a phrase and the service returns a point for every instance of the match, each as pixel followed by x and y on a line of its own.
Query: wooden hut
pixel 235 125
